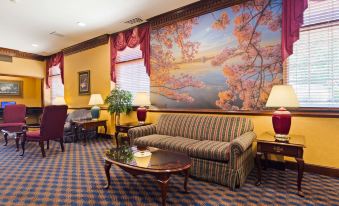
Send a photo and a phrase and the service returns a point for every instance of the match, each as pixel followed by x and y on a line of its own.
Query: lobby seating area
pixel 215 144
pixel 180 102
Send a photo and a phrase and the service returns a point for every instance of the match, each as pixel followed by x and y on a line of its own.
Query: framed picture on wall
pixel 11 88
pixel 84 83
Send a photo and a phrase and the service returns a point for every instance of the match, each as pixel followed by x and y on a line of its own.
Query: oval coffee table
pixel 159 163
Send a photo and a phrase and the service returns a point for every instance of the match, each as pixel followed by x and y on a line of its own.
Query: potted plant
pixel 119 101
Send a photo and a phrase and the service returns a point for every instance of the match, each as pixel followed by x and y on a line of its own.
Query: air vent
pixel 54 33
pixel 5 58
pixel 135 20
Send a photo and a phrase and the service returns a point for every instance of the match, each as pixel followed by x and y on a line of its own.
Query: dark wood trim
pixel 20 54
pixel 89 44
pixel 42 92
pixel 301 112
pixel 190 11
pixel 317 169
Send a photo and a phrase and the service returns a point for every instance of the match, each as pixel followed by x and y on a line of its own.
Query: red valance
pixel 54 60
pixel 292 19
pixel 131 38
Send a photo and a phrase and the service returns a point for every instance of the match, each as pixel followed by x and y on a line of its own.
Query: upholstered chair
pixel 51 128
pixel 13 122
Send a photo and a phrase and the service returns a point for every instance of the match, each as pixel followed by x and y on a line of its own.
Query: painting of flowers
pixel 228 59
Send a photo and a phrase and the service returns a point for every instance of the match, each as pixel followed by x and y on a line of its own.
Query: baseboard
pixel 322 170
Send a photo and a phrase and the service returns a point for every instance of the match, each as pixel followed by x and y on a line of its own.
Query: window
pixel 131 72
pixel 57 88
pixel 313 69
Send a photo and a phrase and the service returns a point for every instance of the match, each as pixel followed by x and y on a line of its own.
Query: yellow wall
pixel 31 91
pixel 97 61
pixel 23 67
pixel 322 134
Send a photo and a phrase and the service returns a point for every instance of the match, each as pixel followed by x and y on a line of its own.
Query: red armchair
pixel 13 121
pixel 51 128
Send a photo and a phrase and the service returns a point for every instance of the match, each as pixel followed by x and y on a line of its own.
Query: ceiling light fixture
pixel 15 1
pixel 35 45
pixel 81 24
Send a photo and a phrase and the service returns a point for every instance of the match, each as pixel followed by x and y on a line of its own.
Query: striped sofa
pixel 220 147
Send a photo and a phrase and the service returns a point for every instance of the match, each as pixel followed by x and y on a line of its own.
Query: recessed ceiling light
pixel 35 45
pixel 82 24
pixel 15 1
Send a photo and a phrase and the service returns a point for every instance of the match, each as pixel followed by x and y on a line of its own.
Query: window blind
pixel 131 72
pixel 313 68
pixel 57 88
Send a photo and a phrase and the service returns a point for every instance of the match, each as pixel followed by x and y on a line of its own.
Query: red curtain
pixel 54 60
pixel 131 38
pixel 292 19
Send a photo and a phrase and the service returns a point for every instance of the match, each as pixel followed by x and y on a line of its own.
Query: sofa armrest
pixel 141 131
pixel 241 143
pixel 240 148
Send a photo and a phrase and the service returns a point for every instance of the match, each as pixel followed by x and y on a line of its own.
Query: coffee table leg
pixel 17 143
pixel 108 177
pixel 163 181
pixel 186 180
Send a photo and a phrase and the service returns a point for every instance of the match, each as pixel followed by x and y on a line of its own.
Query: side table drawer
pixel 279 149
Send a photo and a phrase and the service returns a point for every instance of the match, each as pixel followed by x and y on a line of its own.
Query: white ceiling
pixel 27 22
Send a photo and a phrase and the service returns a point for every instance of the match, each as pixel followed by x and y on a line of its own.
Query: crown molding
pixel 89 44
pixel 20 54
pixel 190 11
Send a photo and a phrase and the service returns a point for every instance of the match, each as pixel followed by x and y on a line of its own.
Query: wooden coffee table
pixel 161 164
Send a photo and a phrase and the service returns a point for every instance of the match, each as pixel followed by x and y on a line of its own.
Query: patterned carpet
pixel 76 177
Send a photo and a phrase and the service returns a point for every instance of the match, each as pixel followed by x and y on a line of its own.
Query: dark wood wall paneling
pixel 89 44
pixel 190 11
pixel 20 54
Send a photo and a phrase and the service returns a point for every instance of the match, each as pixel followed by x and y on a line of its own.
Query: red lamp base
pixel 141 114
pixel 281 120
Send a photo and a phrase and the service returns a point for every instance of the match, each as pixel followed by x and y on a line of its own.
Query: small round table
pixel 161 164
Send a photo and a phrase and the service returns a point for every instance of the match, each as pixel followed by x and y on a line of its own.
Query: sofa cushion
pixel 178 144
pixel 211 150
pixel 200 127
pixel 153 140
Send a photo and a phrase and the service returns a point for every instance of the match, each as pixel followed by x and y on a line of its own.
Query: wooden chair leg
pixel 62 144
pixel 41 143
pixel 6 140
pixel 23 141
pixel 47 144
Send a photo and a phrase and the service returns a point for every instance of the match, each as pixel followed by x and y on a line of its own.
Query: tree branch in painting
pixel 249 81
pixel 163 82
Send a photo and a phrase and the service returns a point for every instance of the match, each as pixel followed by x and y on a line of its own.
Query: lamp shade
pixel 141 99
pixel 282 96
pixel 59 101
pixel 96 99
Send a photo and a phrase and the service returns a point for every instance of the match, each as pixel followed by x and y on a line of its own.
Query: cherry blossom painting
pixel 228 59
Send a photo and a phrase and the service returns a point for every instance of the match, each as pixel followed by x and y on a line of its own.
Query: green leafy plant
pixel 119 101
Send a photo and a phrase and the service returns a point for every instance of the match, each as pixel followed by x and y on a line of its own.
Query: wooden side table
pixel 266 143
pixel 89 124
pixel 123 128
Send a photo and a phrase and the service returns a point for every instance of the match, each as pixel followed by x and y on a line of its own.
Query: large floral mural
pixel 227 59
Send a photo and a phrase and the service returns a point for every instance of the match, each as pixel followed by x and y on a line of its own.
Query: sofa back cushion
pixel 203 127
pixel 79 115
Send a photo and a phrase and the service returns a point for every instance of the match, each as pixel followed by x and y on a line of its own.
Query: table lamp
pixel 142 100
pixel 59 101
pixel 282 96
pixel 94 101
